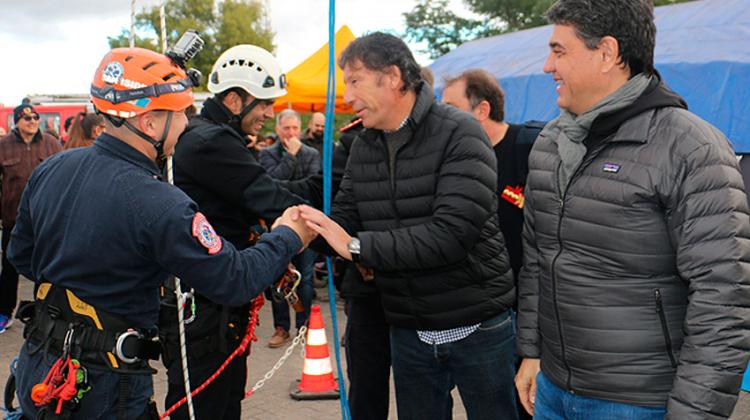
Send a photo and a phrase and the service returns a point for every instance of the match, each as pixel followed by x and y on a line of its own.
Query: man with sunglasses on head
pixel 215 168
pixel 20 152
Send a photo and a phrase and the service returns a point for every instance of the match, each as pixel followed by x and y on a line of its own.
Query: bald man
pixel 313 136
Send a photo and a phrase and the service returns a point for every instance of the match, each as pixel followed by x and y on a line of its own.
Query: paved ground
pixel 272 401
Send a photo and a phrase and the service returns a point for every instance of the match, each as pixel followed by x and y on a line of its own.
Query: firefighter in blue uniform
pixel 99 231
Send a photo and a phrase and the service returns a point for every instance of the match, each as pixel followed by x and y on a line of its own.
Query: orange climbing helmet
pixel 132 81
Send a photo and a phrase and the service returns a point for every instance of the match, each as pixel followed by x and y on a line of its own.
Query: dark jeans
pixel 8 279
pixel 481 366
pixel 304 263
pixel 368 358
pixel 99 403
pixel 220 400
pixel 554 403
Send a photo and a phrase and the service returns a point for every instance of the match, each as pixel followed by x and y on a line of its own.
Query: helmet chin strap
pixel 158 145
pixel 235 120
pixel 246 110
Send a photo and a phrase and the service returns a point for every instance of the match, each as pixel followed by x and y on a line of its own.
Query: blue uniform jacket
pixel 101 222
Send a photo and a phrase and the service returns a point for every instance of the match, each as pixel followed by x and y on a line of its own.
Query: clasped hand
pixel 334 234
pixel 290 218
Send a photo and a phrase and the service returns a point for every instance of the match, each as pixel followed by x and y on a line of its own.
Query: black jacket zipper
pixel 554 279
pixel 664 328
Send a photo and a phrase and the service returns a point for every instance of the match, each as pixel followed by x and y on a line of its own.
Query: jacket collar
pixel 214 110
pixel 113 146
pixel 631 124
pixel 37 137
pixel 425 100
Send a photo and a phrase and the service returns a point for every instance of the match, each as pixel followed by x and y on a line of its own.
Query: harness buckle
pixel 121 342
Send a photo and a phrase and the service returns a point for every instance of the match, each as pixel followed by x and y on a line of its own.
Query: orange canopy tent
pixel 307 83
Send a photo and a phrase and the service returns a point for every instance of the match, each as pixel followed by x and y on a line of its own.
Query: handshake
pixel 308 223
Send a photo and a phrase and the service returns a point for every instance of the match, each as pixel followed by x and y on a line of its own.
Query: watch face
pixel 354 246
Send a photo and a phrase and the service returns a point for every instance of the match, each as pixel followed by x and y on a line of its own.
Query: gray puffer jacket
pixel 636 283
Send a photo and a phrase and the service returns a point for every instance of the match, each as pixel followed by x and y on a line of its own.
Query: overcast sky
pixel 54 46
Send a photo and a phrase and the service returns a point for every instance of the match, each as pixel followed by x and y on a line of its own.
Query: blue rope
pixel 327 161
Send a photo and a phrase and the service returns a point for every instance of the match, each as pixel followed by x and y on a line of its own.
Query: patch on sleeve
pixel 206 234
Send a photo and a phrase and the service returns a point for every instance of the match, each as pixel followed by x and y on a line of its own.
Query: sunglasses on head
pixel 31 117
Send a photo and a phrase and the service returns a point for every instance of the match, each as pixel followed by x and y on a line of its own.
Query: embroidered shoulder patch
pixel 206 234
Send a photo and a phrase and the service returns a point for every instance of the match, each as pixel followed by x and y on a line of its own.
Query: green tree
pixel 511 15
pixel 232 22
pixel 431 22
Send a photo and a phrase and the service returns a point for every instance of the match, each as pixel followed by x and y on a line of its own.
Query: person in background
pixel 21 151
pixel 49 128
pixel 85 130
pixel 289 159
pixel 66 131
pixel 313 136
pixel 477 92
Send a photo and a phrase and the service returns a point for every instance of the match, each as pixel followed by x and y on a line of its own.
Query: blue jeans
pixel 554 403
pixel 304 263
pixel 481 366
pixel 99 403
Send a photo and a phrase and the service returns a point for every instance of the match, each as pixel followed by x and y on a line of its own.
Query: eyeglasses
pixel 31 117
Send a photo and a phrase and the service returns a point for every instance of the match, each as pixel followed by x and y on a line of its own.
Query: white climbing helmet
pixel 251 68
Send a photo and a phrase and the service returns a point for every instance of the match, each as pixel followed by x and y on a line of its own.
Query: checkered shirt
pixel 446 336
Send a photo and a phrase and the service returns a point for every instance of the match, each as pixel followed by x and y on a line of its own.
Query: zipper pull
pixel 657 295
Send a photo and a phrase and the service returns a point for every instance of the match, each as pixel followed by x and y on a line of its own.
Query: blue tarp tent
pixel 702 51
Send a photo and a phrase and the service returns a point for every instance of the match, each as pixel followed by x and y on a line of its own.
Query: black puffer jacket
pixel 430 231
pixel 636 284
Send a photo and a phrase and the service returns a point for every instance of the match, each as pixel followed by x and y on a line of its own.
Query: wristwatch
pixel 353 247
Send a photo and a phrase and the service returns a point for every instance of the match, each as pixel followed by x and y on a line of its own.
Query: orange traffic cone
pixel 317 375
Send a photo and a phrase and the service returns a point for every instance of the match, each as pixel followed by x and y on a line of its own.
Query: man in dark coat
pixel 214 167
pixel 417 210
